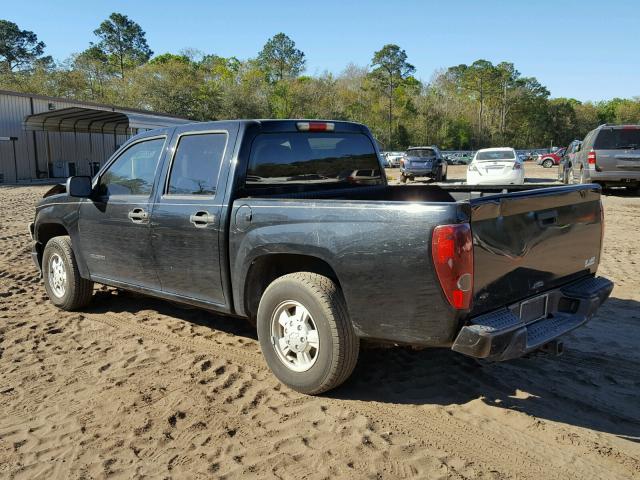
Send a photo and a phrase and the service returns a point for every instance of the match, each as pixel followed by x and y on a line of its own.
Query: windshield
pixel 422 153
pixel 295 158
pixel 496 155
pixel 618 138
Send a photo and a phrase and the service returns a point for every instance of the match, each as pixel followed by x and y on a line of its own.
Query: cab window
pixel 133 172
pixel 196 164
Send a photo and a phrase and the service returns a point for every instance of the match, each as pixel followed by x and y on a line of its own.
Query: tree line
pixel 460 107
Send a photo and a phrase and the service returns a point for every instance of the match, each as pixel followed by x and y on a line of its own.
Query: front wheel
pixel 62 281
pixel 547 163
pixel 305 333
pixel 403 178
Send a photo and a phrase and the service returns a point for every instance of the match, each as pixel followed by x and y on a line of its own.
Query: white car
pixel 495 166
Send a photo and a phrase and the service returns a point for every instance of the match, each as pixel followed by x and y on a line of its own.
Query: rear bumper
pixel 516 178
pixel 419 172
pixel 614 176
pixel 502 335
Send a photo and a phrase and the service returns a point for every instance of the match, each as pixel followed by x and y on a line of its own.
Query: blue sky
pixel 587 50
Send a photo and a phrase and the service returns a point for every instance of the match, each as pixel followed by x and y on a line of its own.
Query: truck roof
pixel 287 124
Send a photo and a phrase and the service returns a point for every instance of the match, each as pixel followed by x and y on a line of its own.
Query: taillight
pixel 591 157
pixel 517 166
pixel 316 126
pixel 452 252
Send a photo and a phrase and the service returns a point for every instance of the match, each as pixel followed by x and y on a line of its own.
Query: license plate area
pixel 534 309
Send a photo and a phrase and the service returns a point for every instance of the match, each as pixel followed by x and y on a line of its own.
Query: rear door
pixel 530 241
pixel 186 219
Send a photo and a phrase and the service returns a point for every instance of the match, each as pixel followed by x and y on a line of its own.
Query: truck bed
pixel 526 240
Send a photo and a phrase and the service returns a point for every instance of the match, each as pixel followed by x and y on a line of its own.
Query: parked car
pixel 610 156
pixel 393 158
pixel 550 159
pixel 495 166
pixel 223 216
pixel 564 168
pixel 462 158
pixel 423 162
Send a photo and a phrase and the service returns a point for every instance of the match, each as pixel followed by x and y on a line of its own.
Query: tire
pixel 438 177
pixel 62 281
pixel 333 361
pixel 403 178
pixel 548 163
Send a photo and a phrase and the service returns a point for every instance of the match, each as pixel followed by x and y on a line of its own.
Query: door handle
pixel 202 219
pixel 138 215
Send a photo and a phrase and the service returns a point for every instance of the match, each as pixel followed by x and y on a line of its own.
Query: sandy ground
pixel 135 388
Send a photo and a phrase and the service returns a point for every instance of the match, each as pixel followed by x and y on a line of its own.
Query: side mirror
pixel 577 148
pixel 79 187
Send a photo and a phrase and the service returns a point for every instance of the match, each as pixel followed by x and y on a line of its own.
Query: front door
pixel 185 221
pixel 114 223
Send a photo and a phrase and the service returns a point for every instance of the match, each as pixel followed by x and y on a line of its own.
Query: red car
pixel 550 159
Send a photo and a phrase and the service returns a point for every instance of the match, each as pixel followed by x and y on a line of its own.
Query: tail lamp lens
pixel 316 126
pixel 591 157
pixel 452 251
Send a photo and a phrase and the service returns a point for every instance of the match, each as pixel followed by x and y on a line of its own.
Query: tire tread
pixel 346 344
pixel 81 289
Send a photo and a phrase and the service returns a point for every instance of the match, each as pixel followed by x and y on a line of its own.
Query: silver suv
pixel 610 156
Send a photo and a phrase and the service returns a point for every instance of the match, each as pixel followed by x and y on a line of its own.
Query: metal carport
pixel 93 120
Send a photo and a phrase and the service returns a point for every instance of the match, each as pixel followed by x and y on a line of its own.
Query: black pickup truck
pixel 292 225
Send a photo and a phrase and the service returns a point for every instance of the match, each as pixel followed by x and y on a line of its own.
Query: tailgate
pixel 530 241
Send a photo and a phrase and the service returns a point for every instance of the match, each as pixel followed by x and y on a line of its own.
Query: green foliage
pixel 391 70
pixel 280 58
pixel 462 107
pixel 19 49
pixel 123 42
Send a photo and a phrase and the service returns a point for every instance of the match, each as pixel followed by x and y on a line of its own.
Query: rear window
pixel 496 155
pixel 617 139
pixel 421 153
pixel 295 158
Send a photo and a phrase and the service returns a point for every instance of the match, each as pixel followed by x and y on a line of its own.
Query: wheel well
pixel 46 232
pixel 267 268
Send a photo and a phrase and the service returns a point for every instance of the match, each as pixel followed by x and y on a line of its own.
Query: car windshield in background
pixel 423 153
pixel 496 155
pixel 312 158
pixel 618 139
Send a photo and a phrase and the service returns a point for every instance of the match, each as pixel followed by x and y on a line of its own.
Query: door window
pixel 196 164
pixel 133 171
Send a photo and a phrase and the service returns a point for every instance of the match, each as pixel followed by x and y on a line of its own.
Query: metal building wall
pixel 38 153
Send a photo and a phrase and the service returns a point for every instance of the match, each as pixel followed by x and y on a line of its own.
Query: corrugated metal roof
pixel 93 120
pixel 82 103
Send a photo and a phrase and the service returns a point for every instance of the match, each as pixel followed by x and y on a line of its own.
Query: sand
pixel 139 388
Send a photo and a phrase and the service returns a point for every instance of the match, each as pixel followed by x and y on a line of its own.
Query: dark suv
pixel 610 156
pixel 423 162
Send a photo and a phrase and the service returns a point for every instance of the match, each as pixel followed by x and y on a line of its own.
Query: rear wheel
pixel 305 333
pixel 439 175
pixel 62 281
pixel 548 163
pixel 403 178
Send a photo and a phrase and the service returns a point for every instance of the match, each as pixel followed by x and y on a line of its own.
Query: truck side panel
pixel 379 251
